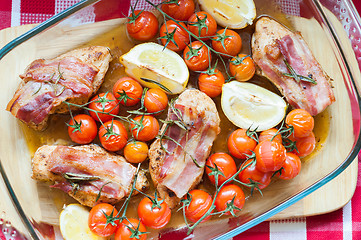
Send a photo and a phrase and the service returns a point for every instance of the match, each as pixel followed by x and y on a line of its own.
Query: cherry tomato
pixel 124 233
pixel 179 40
pixel 211 82
pixel 142 25
pixel 97 219
pixel 251 172
pixel 305 145
pixel 239 144
pixel 154 216
pixel 270 156
pixel 181 10
pixel 113 135
pixel 201 202
pixel 155 100
pixel 291 168
pixel 268 135
pixel 128 91
pixel 136 152
pixel 226 195
pixel 105 103
pixel 225 164
pixel 202 24
pixel 144 128
pixel 242 67
pixel 196 56
pixel 82 129
pixel 227 42
pixel 301 121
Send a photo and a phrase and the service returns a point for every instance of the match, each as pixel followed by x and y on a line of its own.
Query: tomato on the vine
pixel 199 204
pixel 250 172
pixel 128 91
pixel 227 42
pixel 225 165
pixel 202 24
pixel 102 219
pixel 197 56
pixel 301 121
pixel 174 36
pixel 136 152
pixel 180 10
pixel 155 100
pixel 113 135
pixel 270 156
pixel 227 195
pixel 291 168
pixel 104 104
pixel 304 145
pixel 270 134
pixel 240 144
pixel 144 128
pixel 131 229
pixel 242 67
pixel 154 213
pixel 82 129
pixel 210 82
pixel 142 25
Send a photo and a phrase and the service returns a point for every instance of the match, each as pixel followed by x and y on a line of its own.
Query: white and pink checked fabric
pixel 341 224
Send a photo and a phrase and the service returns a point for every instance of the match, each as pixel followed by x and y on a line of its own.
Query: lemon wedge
pixel 156 67
pixel 74 223
pixel 247 105
pixel 235 14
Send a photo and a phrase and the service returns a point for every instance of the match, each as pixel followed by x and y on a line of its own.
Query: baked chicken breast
pixel 74 77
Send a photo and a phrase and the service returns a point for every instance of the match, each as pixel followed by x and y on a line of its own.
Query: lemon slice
pixel 247 105
pixel 74 223
pixel 153 62
pixel 235 14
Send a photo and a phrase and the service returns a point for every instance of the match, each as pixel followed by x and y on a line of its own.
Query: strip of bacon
pixel 109 173
pixel 272 44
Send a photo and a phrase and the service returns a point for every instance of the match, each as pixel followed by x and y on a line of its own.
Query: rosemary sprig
pixel 296 76
pixel 75 179
pixel 158 84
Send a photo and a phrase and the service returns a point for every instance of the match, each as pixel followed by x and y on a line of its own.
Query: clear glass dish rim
pixel 351 157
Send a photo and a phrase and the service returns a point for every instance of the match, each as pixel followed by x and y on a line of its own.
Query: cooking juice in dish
pixel 119 43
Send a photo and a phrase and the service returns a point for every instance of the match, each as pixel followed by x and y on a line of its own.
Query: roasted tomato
pixel 250 172
pixel 291 168
pixel 104 104
pixel 242 67
pixel 82 129
pixel 227 42
pixel 197 56
pixel 128 91
pixel 113 135
pixel 144 128
pixel 270 156
pixel 174 36
pixel 226 195
pixel 131 229
pixel 202 24
pixel 199 205
pixel 240 145
pixel 102 220
pixel 155 100
pixel 301 121
pixel 142 25
pixel 181 10
pixel 136 152
pixel 305 145
pixel 270 134
pixel 225 165
pixel 211 82
pixel 154 213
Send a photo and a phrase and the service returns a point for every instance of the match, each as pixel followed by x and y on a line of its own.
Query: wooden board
pixel 321 201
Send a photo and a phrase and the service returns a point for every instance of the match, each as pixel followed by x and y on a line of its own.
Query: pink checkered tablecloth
pixel 341 224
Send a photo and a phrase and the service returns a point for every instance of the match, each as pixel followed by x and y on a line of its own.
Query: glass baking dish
pixel 96 22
